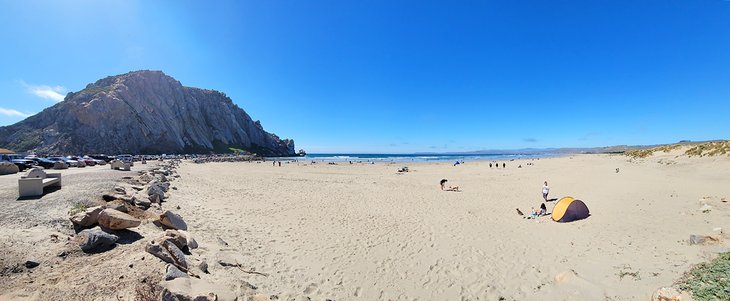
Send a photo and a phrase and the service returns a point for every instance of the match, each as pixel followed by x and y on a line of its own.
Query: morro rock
pixel 142 112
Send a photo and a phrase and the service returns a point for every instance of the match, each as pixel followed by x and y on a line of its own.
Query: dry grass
pixel 716 148
pixel 643 153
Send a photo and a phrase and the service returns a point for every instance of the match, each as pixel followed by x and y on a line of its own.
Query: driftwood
pixel 240 267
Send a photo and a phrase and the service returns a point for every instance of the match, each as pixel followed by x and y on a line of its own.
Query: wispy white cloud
pixel 11 112
pixel 54 93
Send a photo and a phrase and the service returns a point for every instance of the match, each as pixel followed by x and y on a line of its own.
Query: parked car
pixel 45 163
pixel 19 161
pixel 87 161
pixel 126 159
pixel 69 162
pixel 96 161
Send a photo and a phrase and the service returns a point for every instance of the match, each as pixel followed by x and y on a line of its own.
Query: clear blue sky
pixel 399 76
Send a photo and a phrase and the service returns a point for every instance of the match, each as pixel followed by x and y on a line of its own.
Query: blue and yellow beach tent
pixel 569 209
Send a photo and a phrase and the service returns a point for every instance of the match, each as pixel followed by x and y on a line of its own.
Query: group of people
pixel 543 209
pixel 504 165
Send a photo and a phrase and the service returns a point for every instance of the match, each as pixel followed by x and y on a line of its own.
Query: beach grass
pixel 716 148
pixel 77 208
pixel 643 153
pixel 709 280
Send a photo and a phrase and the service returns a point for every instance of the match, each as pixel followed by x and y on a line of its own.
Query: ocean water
pixel 418 157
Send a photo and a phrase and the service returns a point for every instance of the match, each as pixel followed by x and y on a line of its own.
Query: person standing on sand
pixel 504 165
pixel 545 191
pixel 490 164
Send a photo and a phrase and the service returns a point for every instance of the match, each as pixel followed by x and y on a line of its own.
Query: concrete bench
pixel 35 180
pixel 117 164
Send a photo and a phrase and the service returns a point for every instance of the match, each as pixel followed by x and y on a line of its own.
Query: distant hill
pixel 142 112
pixel 615 149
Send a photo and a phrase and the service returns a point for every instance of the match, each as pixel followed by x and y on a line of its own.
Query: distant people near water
pixel 450 188
pixel 456 163
pixel 490 164
pixel 273 163
pixel 496 165
pixel 545 191
pixel 279 163
pixel 504 165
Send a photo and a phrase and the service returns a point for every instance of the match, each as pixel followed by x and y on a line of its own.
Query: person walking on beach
pixel 279 163
pixel 504 165
pixel 490 164
pixel 545 191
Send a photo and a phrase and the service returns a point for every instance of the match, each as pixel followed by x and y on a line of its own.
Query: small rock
pixel 173 220
pixel 31 263
pixel 119 189
pixel 117 220
pixel 95 239
pixel 137 187
pixel 172 272
pixel 159 252
pixel 203 266
pixel 62 254
pixel 696 239
pixel 704 239
pixel 669 294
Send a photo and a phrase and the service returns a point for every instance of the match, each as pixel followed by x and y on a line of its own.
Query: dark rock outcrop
pixel 142 112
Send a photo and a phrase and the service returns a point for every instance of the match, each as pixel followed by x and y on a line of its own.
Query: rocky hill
pixel 142 112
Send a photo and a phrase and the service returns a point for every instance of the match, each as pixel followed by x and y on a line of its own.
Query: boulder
pixel 180 238
pixel 142 201
pixel 175 238
pixel 172 272
pixel 87 218
pixel 176 254
pixel 60 165
pixel 173 220
pixel 168 252
pixel 191 242
pixel 120 190
pixel 145 178
pixel 117 220
pixel 8 168
pixel 118 207
pixel 158 251
pixel 95 239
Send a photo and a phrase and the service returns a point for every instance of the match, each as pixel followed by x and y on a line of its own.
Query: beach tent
pixel 569 209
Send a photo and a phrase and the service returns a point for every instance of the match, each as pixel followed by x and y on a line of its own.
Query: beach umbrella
pixel 568 209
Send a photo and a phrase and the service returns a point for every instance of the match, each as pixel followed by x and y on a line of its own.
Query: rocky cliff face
pixel 142 112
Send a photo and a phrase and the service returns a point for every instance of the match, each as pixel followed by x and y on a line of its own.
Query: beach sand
pixel 365 232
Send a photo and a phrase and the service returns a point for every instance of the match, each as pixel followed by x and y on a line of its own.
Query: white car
pixel 127 159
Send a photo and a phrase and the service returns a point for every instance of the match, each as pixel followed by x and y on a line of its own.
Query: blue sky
pixel 398 76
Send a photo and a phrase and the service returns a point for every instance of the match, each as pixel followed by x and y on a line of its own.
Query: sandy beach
pixel 366 232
